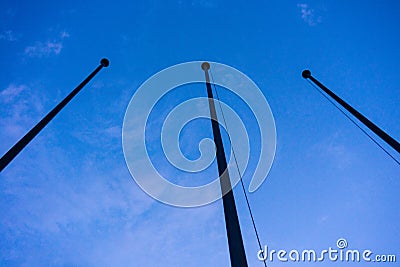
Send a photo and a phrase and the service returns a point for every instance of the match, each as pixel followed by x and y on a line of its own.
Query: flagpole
pixel 235 240
pixel 373 127
pixel 24 141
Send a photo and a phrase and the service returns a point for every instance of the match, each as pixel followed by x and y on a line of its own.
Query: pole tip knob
pixel 306 74
pixel 205 66
pixel 104 62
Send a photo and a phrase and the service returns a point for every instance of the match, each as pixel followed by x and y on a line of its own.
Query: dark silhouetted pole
pixel 378 131
pixel 14 151
pixel 235 240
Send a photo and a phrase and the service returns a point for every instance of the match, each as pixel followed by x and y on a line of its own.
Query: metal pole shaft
pixel 21 144
pixel 235 240
pixel 373 127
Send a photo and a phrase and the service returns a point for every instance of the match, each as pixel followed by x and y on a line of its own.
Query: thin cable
pixel 358 126
pixel 237 167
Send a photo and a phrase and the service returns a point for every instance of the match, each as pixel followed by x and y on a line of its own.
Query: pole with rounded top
pixel 24 141
pixel 235 240
pixel 373 127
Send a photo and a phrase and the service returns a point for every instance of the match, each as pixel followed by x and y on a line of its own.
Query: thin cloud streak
pixel 47 48
pixel 9 36
pixel 308 15
pixel 40 49
pixel 12 91
pixel 21 106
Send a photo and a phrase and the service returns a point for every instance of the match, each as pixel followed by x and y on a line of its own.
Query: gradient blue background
pixel 68 198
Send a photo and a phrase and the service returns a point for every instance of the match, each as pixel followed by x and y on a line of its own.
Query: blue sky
pixel 69 200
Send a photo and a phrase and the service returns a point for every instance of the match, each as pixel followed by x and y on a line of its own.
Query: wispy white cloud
pixel 204 3
pixel 20 108
pixel 47 48
pixel 64 35
pixel 8 94
pixel 101 205
pixel 9 36
pixel 308 15
pixel 40 49
pixel 336 150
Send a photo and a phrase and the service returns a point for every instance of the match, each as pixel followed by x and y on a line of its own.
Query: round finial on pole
pixel 205 66
pixel 306 74
pixel 104 62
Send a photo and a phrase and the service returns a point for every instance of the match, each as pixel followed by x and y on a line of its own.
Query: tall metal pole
pixel 378 131
pixel 21 144
pixel 235 240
